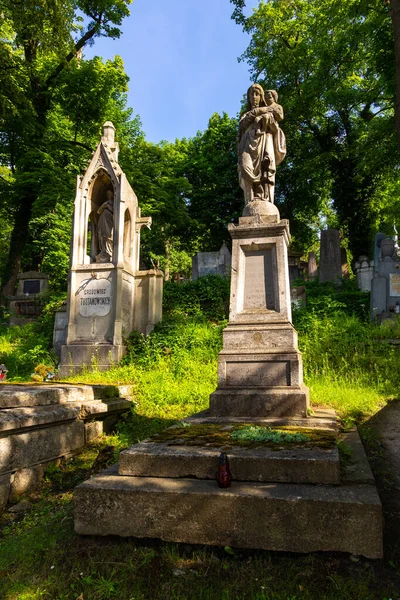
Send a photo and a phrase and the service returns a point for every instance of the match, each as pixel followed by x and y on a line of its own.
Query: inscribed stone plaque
pixel 31 286
pixel 265 373
pixel 94 297
pixel 394 285
pixel 259 280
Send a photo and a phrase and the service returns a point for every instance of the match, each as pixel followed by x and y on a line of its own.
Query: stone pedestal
pixel 260 368
pixel 294 498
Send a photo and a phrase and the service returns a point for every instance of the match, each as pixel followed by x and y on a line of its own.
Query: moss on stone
pixel 220 435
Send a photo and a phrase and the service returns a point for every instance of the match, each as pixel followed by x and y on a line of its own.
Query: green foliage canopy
pixel 51 104
pixel 333 65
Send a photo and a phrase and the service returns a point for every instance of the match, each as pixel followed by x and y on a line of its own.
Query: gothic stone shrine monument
pixel 108 296
pixel 286 489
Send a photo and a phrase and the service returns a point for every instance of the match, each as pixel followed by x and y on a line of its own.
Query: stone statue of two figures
pixel 261 148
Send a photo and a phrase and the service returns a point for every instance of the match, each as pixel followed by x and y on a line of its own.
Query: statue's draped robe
pixel 105 227
pixel 261 148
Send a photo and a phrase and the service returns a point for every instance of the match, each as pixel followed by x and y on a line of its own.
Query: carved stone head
pixel 271 96
pixel 256 87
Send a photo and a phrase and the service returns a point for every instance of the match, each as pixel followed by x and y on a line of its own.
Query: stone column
pixel 312 266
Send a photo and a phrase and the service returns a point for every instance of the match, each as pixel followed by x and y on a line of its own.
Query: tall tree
pixel 333 66
pixel 156 172
pixel 395 14
pixel 215 198
pixel 40 52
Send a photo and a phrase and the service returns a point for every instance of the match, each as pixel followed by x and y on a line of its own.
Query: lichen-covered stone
pixel 33 447
pixel 26 480
pixel 4 490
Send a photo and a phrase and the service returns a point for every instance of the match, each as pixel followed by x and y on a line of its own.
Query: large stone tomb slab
pixel 192 447
pixel 288 517
pixel 168 492
pixel 40 423
pixel 151 459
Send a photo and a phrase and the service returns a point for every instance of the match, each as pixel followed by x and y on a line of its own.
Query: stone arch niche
pixel 101 225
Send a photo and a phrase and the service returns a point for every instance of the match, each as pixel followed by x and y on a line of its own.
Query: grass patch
pixel 277 437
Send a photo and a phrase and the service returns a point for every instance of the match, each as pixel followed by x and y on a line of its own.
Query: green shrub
pixel 206 297
pixel 23 348
pixel 177 336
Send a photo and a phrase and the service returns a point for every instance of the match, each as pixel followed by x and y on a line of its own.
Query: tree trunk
pixel 395 14
pixel 17 245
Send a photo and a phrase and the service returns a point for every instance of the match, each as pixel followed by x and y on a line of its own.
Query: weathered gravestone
pixel 212 263
pixel 312 266
pixel 385 285
pixel 364 270
pixel 291 498
pixel 108 296
pixel 330 266
pixel 26 305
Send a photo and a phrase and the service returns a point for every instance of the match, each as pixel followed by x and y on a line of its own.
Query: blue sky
pixel 181 58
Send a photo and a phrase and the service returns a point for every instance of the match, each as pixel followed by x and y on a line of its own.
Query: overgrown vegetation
pixel 23 348
pixel 348 364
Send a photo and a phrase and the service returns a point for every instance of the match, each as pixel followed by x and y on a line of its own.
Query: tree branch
pixel 75 143
pixel 5 180
pixel 80 43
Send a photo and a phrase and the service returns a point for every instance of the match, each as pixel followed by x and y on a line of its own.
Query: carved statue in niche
pixel 261 144
pixel 105 224
pixel 102 227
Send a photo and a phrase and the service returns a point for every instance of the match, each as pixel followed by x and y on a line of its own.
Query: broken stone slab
pixel 14 419
pixel 21 507
pixel 25 480
pixel 98 408
pixel 40 445
pixel 29 395
pixel 286 517
pixel 152 459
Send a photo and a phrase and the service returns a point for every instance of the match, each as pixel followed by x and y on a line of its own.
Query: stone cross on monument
pixel 260 368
